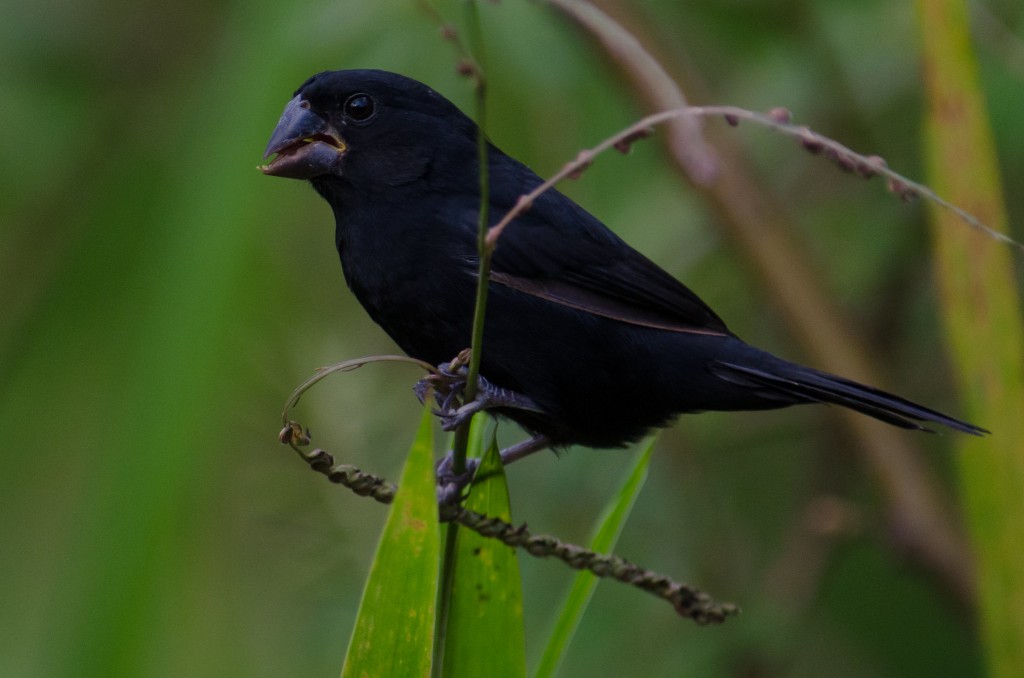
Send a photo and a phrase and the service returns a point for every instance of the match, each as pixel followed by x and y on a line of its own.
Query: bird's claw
pixel 446 385
pixel 423 388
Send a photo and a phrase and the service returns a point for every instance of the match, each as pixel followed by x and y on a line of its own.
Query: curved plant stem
pixel 686 600
pixel 919 514
pixel 345 366
pixel 818 144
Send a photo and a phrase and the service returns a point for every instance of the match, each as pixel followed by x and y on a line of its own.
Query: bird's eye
pixel 359 107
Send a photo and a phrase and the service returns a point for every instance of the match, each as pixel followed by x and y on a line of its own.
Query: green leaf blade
pixel 609 527
pixel 485 635
pixel 394 630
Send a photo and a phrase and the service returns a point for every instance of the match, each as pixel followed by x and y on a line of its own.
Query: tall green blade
pixel 609 527
pixel 485 623
pixel 981 310
pixel 394 632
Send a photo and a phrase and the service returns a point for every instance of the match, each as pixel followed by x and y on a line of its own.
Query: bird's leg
pixel 449 385
pixel 450 486
pixel 524 449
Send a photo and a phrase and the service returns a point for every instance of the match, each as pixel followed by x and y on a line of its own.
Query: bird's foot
pixel 449 485
pixel 448 387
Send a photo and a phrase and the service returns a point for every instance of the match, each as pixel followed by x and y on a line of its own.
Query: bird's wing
pixel 559 252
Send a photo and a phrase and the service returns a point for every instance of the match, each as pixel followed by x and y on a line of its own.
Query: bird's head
pixel 367 129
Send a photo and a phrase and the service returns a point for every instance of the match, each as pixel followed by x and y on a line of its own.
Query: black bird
pixel 586 341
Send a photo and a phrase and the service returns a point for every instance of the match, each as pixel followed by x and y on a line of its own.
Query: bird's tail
pixel 805 384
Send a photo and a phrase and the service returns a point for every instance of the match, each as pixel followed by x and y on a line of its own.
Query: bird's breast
pixel 417 289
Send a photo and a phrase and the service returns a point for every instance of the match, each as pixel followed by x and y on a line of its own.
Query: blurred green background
pixel 161 298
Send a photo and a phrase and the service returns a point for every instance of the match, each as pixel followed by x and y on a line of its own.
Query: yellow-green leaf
pixel 981 309
pixel 394 631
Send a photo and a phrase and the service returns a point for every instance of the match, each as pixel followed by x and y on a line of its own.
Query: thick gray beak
pixel 305 143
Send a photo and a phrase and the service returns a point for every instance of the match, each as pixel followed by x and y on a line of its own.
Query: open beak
pixel 305 145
